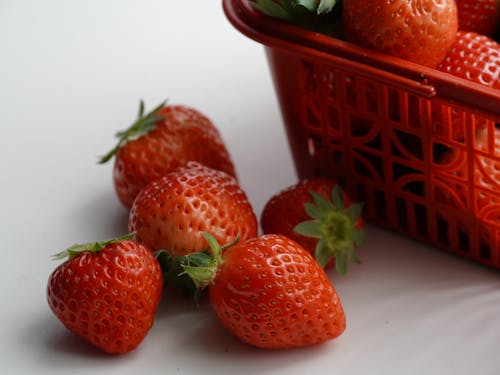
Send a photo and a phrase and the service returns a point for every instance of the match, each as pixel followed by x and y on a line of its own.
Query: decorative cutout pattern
pixel 423 167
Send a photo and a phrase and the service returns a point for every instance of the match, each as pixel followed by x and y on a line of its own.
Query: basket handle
pixel 411 77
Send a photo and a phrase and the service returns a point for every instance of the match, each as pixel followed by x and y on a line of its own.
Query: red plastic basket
pixel 382 127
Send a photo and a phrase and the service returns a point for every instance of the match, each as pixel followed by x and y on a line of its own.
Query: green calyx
pixel 203 273
pixel 291 10
pixel 173 270
pixel 317 15
pixel 193 272
pixel 91 247
pixel 143 125
pixel 335 227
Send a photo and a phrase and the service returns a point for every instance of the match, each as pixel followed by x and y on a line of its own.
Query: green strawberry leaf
pixel 323 16
pixel 173 271
pixel 97 246
pixel 273 9
pixel 202 267
pixel 358 236
pixel 310 5
pixel 322 253
pixel 314 211
pixel 337 198
pixel 326 6
pixel 354 211
pixel 198 274
pixel 341 264
pixel 353 257
pixel 322 203
pixel 143 125
pixel 309 228
pixel 335 226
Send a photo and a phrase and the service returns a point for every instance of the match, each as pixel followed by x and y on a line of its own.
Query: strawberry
pixel 420 31
pixel 173 212
pixel 168 136
pixel 480 16
pixel 473 57
pixel 107 292
pixel 270 293
pixel 318 215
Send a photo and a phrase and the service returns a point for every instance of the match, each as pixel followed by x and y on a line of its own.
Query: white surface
pixel 71 74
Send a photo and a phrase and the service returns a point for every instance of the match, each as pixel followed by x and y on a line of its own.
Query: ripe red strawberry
pixel 420 31
pixel 270 292
pixel 107 292
pixel 173 212
pixel 319 216
pixel 480 16
pixel 473 57
pixel 168 136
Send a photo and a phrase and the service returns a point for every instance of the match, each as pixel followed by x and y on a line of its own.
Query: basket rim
pixel 421 80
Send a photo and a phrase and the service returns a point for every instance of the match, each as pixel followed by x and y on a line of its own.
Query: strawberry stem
pixel 97 246
pixel 204 273
pixel 193 272
pixel 143 125
pixel 203 276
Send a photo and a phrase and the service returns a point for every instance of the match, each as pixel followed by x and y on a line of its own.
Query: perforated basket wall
pixel 419 147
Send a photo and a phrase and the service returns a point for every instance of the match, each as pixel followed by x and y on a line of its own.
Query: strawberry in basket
pixel 417 31
pixel 480 16
pixel 474 57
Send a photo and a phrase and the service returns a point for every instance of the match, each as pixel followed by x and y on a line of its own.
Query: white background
pixel 71 74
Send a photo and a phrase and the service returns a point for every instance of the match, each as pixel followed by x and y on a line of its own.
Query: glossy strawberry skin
pixel 270 293
pixel 108 298
pixel 173 212
pixel 420 31
pixel 474 57
pixel 183 135
pixel 480 16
